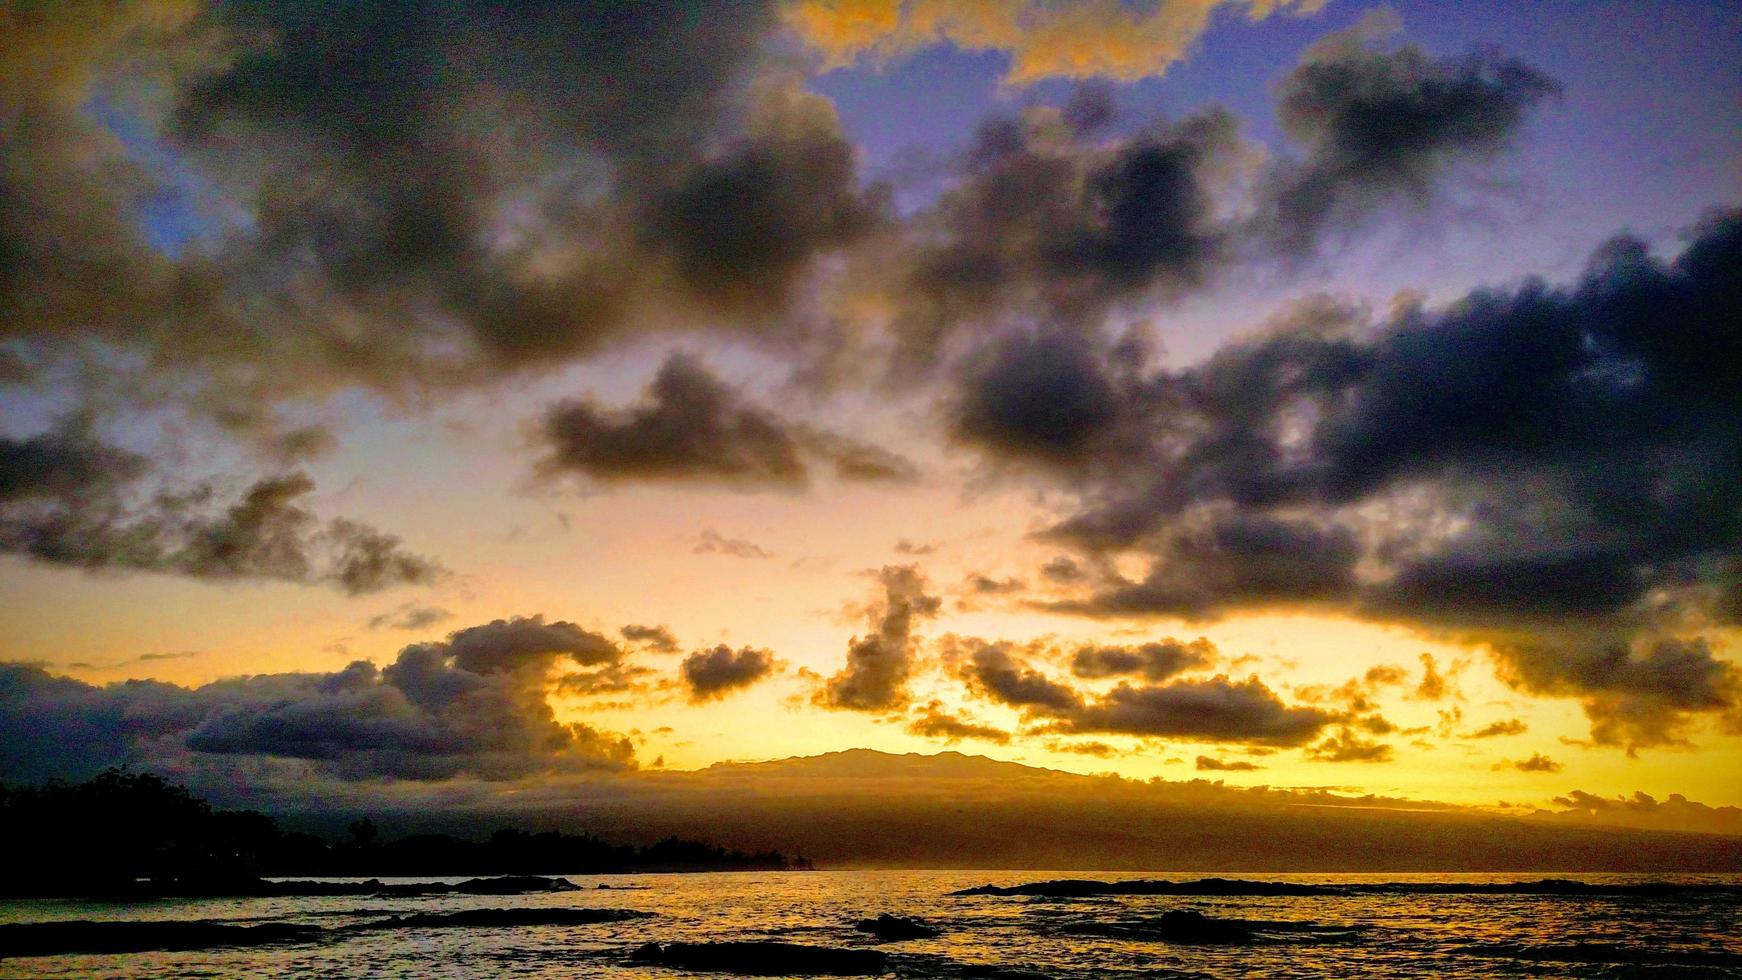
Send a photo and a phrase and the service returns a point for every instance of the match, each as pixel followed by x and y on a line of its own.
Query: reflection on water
pixel 982 936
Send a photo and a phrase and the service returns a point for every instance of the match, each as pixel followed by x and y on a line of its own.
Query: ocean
pixel 1365 931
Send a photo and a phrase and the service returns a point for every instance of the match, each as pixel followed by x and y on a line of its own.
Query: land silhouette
pixel 136 834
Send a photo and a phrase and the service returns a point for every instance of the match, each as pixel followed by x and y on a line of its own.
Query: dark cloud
pixel 67 498
pixel 527 641
pixel 655 638
pixel 1063 570
pixel 1635 696
pixel 982 584
pixel 472 705
pixel 1208 764
pixel 906 547
pixel 880 662
pixel 409 616
pixel 693 427
pixel 934 721
pixel 714 673
pixel 1213 709
pixel 1153 661
pixel 1547 470
pixel 1347 746
pixel 1043 397
pixel 335 219
pixel 1496 729
pixel 741 227
pixel 1386 127
pixel 712 542
pixel 1206 557
pixel 1434 686
pixel 1039 222
pixel 612 678
pixel 1536 763
pixel 994 673
pixel 1100 750
pixel 690 427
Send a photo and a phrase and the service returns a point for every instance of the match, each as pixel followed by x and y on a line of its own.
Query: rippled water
pixel 984 936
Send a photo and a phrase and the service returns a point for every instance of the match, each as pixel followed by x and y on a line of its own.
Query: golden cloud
pixel 1112 39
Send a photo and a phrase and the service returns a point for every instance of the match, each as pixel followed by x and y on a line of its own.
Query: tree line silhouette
pixel 127 832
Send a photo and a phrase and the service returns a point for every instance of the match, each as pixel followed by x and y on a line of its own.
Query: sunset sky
pixel 1302 393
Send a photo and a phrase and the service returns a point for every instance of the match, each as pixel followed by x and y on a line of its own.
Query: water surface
pixel 986 936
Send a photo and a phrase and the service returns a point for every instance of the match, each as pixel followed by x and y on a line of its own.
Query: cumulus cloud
pixel 933 720
pixel 712 674
pixel 1039 224
pixel 693 427
pixel 1153 661
pixel 981 584
pixel 993 672
pixel 471 705
pixel 1348 746
pixel 880 662
pixel 1215 709
pixel 1536 763
pixel 409 616
pixel 1543 469
pixel 67 498
pixel 712 542
pixel 1209 764
pixel 335 228
pixel 1210 709
pixel 655 638
pixel 1100 38
pixel 1382 127
pixel 1496 729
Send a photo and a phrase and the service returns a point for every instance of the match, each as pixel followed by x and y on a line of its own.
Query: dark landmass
pixel 897 927
pixel 1082 888
pixel 134 835
pixel 763 959
pixel 867 809
pixel 85 936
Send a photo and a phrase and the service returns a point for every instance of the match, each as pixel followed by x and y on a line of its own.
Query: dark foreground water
pixel 1389 934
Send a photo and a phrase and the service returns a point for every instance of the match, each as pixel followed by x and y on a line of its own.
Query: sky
pixel 1295 393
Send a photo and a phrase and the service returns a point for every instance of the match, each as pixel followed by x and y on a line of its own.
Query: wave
pixel 1232 887
pixel 86 936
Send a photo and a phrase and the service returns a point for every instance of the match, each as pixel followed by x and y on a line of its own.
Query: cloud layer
pixel 472 705
pixel 67 498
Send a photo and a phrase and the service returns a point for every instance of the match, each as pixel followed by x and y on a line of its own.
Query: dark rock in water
pixel 505 885
pixel 514 885
pixel 896 927
pixel 483 918
pixel 84 936
pixel 763 959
